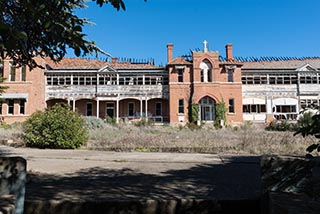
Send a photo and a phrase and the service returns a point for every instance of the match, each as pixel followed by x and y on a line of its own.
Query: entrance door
pixel 207 109
pixel 110 110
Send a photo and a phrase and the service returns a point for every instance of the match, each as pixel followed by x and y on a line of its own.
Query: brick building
pixel 254 89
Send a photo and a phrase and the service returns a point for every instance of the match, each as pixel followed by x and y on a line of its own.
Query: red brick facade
pixel 197 83
pixel 258 89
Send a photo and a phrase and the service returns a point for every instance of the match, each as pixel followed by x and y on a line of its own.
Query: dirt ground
pixel 84 175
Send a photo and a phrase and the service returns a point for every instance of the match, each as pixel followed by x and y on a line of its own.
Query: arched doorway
pixel 207 109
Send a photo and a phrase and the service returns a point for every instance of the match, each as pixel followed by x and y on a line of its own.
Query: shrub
pixel 144 122
pixel 281 126
pixel 55 128
pixel 221 111
pixel 111 120
pixel 309 124
pixel 94 122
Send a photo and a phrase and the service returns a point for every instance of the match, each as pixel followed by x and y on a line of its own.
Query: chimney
pixel 114 60
pixel 229 52
pixel 169 52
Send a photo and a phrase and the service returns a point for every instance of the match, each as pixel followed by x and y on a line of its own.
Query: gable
pixel 306 67
pixel 107 69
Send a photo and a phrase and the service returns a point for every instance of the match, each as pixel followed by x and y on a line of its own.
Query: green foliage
pixel 111 120
pixel 144 122
pixel 5 125
pixel 309 124
pixel 221 111
pixel 48 30
pixel 282 125
pixel 94 122
pixel 193 113
pixel 55 128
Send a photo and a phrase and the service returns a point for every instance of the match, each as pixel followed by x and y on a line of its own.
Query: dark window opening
pixel 231 106
pixel 181 106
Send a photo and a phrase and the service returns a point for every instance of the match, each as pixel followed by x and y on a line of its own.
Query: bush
pixel 111 120
pixel 55 128
pixel 281 126
pixel 144 122
pixel 94 122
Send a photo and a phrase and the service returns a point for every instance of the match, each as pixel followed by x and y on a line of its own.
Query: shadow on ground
pixel 233 184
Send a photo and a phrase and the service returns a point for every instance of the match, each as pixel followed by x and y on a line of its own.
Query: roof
pixel 90 64
pixel 282 64
pixel 179 61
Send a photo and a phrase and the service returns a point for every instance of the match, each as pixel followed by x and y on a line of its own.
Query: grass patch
pixel 246 139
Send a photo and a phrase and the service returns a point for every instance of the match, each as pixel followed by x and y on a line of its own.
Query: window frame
pixel 22 106
pixel 10 110
pixel 231 75
pixel 180 72
pixel 158 110
pixel 12 72
pixel 231 106
pixel 89 111
pixel 181 106
pixel 131 109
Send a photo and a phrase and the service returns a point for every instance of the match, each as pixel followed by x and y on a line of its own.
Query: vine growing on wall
pixel 221 111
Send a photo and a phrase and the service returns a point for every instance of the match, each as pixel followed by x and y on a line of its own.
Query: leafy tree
pixel 309 124
pixel 30 28
pixel 55 128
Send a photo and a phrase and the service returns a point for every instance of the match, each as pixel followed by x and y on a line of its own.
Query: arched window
pixel 207 109
pixel 206 71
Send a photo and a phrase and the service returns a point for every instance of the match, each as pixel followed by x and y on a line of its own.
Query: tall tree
pixel 45 28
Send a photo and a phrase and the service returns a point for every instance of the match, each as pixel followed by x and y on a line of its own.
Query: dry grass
pixel 244 140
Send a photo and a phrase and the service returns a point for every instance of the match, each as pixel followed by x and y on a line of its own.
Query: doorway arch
pixel 207 107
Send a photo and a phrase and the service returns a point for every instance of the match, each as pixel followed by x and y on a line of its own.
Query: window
pixel 81 80
pixel 10 106
pixel 1 68
pixel 230 75
pixel 231 105
pixel 22 106
pixel 181 106
pixel 12 74
pixel 110 110
pixel 180 75
pixel 75 80
pixel 131 109
pixel 23 73
pixel 89 109
pixel 206 71
pixel 158 109
pixel 68 80
pixel 286 108
pixel 305 103
pixel 254 108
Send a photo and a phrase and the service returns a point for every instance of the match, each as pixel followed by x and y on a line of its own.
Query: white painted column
pixel 74 105
pixel 146 106
pixel 141 105
pixel 117 110
pixel 97 107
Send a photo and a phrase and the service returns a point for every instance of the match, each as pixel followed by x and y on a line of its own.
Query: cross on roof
pixel 205 48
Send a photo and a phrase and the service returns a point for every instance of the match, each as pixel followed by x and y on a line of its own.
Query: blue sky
pixel 254 27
